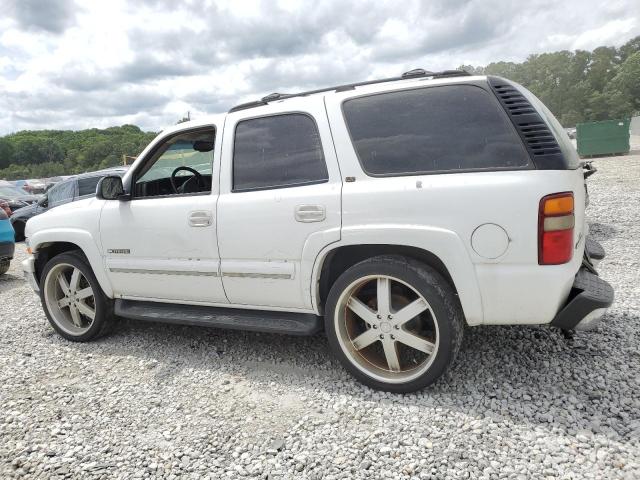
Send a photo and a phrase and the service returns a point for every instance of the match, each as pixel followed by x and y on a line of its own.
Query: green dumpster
pixel 607 137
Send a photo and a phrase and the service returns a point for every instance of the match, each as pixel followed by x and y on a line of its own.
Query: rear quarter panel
pixel 509 289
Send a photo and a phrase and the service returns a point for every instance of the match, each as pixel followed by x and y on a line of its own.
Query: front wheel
pixel 4 266
pixel 72 299
pixel 394 323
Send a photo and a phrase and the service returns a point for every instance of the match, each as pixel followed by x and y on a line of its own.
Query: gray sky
pixel 78 64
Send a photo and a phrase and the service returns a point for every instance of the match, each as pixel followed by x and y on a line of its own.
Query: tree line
pixel 577 86
pixel 49 153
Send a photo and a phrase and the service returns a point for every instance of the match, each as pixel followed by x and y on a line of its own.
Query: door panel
pixel 264 234
pixel 151 250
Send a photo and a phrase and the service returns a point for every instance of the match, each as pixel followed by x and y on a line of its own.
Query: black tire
pixel 4 266
pixel 104 319
pixel 18 227
pixel 433 287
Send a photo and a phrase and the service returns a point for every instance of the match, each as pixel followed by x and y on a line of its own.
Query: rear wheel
pixel 394 323
pixel 4 266
pixel 72 299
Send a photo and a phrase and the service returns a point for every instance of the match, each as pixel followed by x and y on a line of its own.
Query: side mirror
pixel 111 188
pixel 43 201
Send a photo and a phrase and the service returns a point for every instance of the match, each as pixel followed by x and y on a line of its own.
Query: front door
pixel 161 244
pixel 279 202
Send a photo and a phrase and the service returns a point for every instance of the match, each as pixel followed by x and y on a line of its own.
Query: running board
pixel 232 318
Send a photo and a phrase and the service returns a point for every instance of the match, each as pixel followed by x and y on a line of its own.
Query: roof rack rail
pixel 451 73
pixel 415 73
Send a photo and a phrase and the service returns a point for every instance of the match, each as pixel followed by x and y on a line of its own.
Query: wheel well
pixel 340 259
pixel 47 251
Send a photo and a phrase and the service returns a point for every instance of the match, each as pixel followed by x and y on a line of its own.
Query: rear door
pixel 279 203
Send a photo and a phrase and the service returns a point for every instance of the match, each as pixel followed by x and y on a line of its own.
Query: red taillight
pixel 555 229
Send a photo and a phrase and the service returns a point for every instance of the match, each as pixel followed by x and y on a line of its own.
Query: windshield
pixel 11 191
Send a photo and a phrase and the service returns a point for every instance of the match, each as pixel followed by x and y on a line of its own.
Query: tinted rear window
pixel 277 151
pixel 448 128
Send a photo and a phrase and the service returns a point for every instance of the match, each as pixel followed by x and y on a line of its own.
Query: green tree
pixel 35 154
pixel 6 153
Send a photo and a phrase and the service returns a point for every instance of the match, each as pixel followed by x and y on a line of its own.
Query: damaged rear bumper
pixel 590 295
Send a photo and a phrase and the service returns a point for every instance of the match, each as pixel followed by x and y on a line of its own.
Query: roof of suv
pixel 417 73
pixel 408 79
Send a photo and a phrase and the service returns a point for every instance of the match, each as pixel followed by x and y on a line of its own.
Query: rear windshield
pixel 436 129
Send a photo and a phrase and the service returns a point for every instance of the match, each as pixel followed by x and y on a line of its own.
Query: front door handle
pixel 310 213
pixel 200 218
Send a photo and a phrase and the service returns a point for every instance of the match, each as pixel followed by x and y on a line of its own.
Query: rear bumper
pixel 590 297
pixel 6 250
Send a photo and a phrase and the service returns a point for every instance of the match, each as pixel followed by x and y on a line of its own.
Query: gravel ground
pixel 157 401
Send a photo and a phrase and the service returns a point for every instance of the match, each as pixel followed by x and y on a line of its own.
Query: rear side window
pixel 87 186
pixel 277 151
pixel 436 129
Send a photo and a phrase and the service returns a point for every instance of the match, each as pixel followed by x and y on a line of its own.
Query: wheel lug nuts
pixel 381 337
pixel 375 326
pixel 379 316
pixel 392 337
pixel 390 317
pixel 396 327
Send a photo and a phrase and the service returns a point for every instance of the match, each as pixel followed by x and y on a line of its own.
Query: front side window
pixel 277 151
pixel 182 164
pixel 435 129
pixel 61 193
pixel 87 186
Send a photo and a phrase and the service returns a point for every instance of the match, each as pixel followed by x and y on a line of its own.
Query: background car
pixel 14 197
pixel 73 188
pixel 33 186
pixel 7 244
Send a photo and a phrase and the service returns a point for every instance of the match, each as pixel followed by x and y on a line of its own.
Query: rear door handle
pixel 310 213
pixel 200 218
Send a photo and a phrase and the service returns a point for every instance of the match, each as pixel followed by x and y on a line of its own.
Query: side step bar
pixel 231 318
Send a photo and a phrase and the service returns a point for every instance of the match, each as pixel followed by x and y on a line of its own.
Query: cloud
pixel 53 16
pixel 81 63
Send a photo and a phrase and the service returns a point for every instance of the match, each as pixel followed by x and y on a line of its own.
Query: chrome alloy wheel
pixel 386 328
pixel 69 299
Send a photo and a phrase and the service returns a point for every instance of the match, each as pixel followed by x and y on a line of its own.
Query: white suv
pixel 391 213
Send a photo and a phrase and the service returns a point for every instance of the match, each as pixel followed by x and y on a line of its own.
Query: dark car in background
pixel 72 189
pixel 13 197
